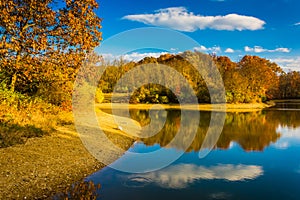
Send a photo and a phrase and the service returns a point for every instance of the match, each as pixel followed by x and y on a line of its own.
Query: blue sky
pixel 233 28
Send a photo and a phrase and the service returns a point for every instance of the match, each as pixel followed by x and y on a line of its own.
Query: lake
pixel 257 156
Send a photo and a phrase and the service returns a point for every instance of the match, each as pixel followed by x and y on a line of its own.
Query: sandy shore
pixel 44 166
pixel 47 165
pixel 203 107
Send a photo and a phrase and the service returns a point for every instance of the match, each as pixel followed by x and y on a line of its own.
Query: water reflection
pixel 258 152
pixel 253 131
pixel 288 105
pixel 289 136
pixel 181 175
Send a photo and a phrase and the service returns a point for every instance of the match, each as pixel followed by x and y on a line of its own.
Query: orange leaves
pixel 36 41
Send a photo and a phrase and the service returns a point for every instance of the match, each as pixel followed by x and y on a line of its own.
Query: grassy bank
pixel 23 117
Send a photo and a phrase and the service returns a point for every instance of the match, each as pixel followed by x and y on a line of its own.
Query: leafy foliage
pixel 289 86
pixel 43 46
pixel 23 117
pixel 252 79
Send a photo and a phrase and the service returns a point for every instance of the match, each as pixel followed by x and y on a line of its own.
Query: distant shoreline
pixel 202 107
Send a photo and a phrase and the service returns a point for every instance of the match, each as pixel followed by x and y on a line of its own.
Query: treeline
pixel 252 79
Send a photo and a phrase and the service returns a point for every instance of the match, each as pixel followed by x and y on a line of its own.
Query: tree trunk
pixel 13 82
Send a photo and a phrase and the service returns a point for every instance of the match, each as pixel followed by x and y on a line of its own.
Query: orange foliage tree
pixel 260 76
pixel 43 43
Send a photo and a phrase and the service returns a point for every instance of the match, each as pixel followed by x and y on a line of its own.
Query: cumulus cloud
pixel 138 56
pixel 297 24
pixel 291 63
pixel 180 176
pixel 135 56
pixel 229 50
pixel 179 18
pixel 215 49
pixel 259 49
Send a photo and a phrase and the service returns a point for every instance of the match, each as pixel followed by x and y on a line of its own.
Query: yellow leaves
pixel 68 2
pixel 40 37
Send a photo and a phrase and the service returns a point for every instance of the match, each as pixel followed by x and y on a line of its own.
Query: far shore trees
pixel 252 79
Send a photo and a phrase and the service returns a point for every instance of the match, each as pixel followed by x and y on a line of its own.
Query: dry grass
pixel 23 117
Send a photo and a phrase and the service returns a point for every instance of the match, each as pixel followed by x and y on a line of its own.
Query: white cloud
pixel 248 49
pixel 215 49
pixel 201 48
pixel 282 145
pixel 138 56
pixel 288 63
pixel 297 24
pixel 180 176
pixel 259 49
pixel 284 50
pixel 179 18
pixel 108 56
pixel 135 56
pixel 289 136
pixel 229 50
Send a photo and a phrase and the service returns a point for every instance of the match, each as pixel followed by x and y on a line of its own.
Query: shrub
pixel 23 117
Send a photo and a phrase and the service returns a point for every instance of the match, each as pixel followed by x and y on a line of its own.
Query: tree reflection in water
pixel 253 131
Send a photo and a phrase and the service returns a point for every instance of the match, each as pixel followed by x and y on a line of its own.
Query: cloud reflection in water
pixel 181 175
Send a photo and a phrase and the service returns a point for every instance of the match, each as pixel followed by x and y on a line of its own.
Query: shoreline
pixel 201 107
pixel 45 166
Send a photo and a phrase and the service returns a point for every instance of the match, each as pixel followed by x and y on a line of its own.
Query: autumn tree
pixel 43 43
pixel 232 79
pixel 289 85
pixel 260 75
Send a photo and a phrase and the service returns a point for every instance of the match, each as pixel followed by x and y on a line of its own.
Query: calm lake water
pixel 257 156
